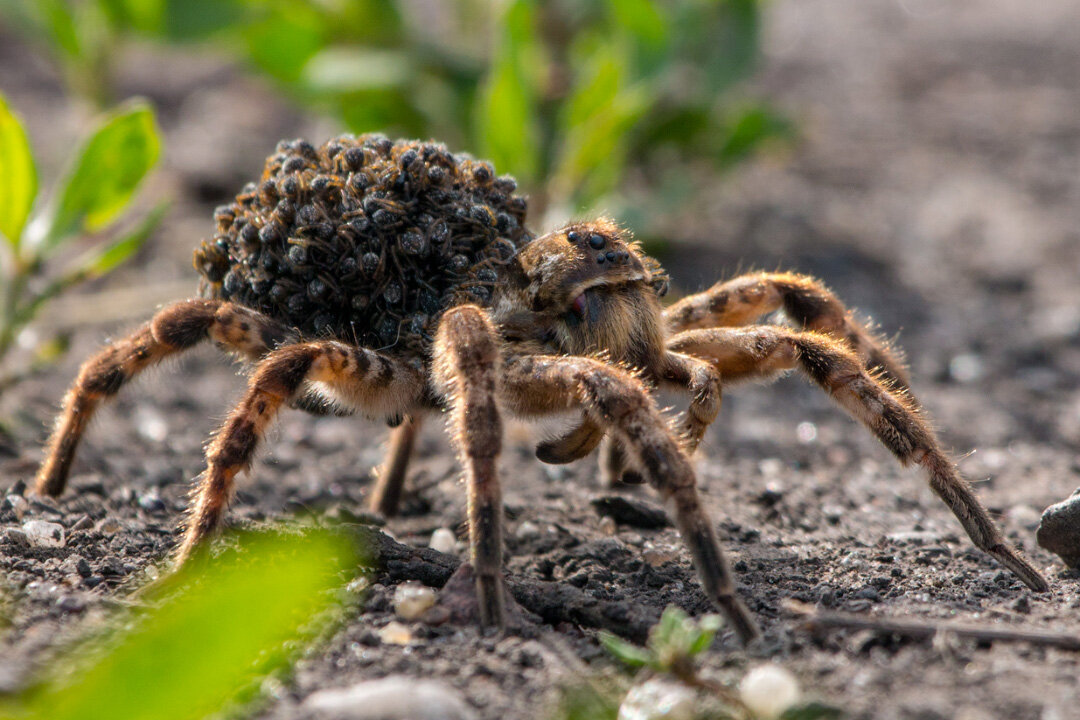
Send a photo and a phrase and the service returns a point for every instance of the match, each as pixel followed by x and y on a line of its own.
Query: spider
pixel 397 280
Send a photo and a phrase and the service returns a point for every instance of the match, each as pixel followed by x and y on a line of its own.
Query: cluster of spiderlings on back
pixel 364 239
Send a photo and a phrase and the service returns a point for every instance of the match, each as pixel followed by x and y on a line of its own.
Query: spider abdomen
pixel 364 239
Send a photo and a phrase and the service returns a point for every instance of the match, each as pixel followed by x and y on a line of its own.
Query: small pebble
pixel 77 564
pixel 659 556
pixel 16 536
pixel 394 633
pixel 109 526
pixel 70 604
pixel 868 593
pixel 608 526
pixel 631 511
pixel 443 541
pixel 411 600
pixel 18 504
pixel 1059 531
pixel 43 533
pixel 658 699
pixel 152 503
pixel 768 690
pixel 527 531
pixel 390 698
pixel 83 523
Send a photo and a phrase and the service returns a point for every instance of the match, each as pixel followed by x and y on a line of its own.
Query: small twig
pixel 815 621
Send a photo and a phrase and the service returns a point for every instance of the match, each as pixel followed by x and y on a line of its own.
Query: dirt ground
pixel 936 188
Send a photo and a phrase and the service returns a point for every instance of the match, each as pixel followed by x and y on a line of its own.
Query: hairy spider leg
pixel 746 299
pixel 466 371
pixel 390 477
pixel 804 299
pixel 895 418
pixel 172 330
pixel 620 402
pixel 356 377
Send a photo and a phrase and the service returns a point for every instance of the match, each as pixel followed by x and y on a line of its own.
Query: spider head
pixel 595 290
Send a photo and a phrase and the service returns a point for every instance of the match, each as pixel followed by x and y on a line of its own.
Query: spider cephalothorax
pixel 409 285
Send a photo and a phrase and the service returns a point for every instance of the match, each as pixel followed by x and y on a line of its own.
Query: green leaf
pixel 18 176
pixel 627 653
pixel 642 19
pixel 707 628
pixel 186 20
pixel 749 130
pixel 720 40
pixel 665 631
pixel 282 43
pixel 59 21
pixel 106 173
pixel 230 622
pixel 506 111
pixel 596 125
pixel 812 711
pixel 145 16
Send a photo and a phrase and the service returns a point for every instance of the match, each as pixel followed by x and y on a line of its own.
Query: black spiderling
pixel 365 238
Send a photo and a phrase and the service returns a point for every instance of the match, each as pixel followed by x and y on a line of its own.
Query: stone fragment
pixel 411 600
pixel 42 533
pixel 658 699
pixel 443 540
pixel 390 698
pixel 631 511
pixel 768 690
pixel 1059 531
pixel 394 633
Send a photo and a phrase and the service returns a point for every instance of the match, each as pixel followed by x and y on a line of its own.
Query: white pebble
pixel 966 368
pixel 527 531
pixel 806 432
pixel 658 699
pixel 151 424
pixel 443 540
pixel 769 690
pixel 18 505
pixel 43 533
pixel 390 698
pixel 411 600
pixel 394 633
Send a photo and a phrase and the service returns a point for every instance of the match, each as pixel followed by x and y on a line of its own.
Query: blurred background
pixel 922 161
pixel 922 158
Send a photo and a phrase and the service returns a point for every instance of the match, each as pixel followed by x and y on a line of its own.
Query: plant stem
pixel 19 275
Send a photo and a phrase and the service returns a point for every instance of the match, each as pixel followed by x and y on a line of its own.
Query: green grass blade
pixel 106 173
pixel 623 651
pixel 227 625
pixel 18 176
pixel 506 111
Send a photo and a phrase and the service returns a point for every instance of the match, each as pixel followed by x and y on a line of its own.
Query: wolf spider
pixel 574 323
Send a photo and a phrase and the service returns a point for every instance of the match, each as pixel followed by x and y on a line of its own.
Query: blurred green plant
pixel 672 646
pixel 668 684
pixel 88 202
pixel 222 627
pixel 566 95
